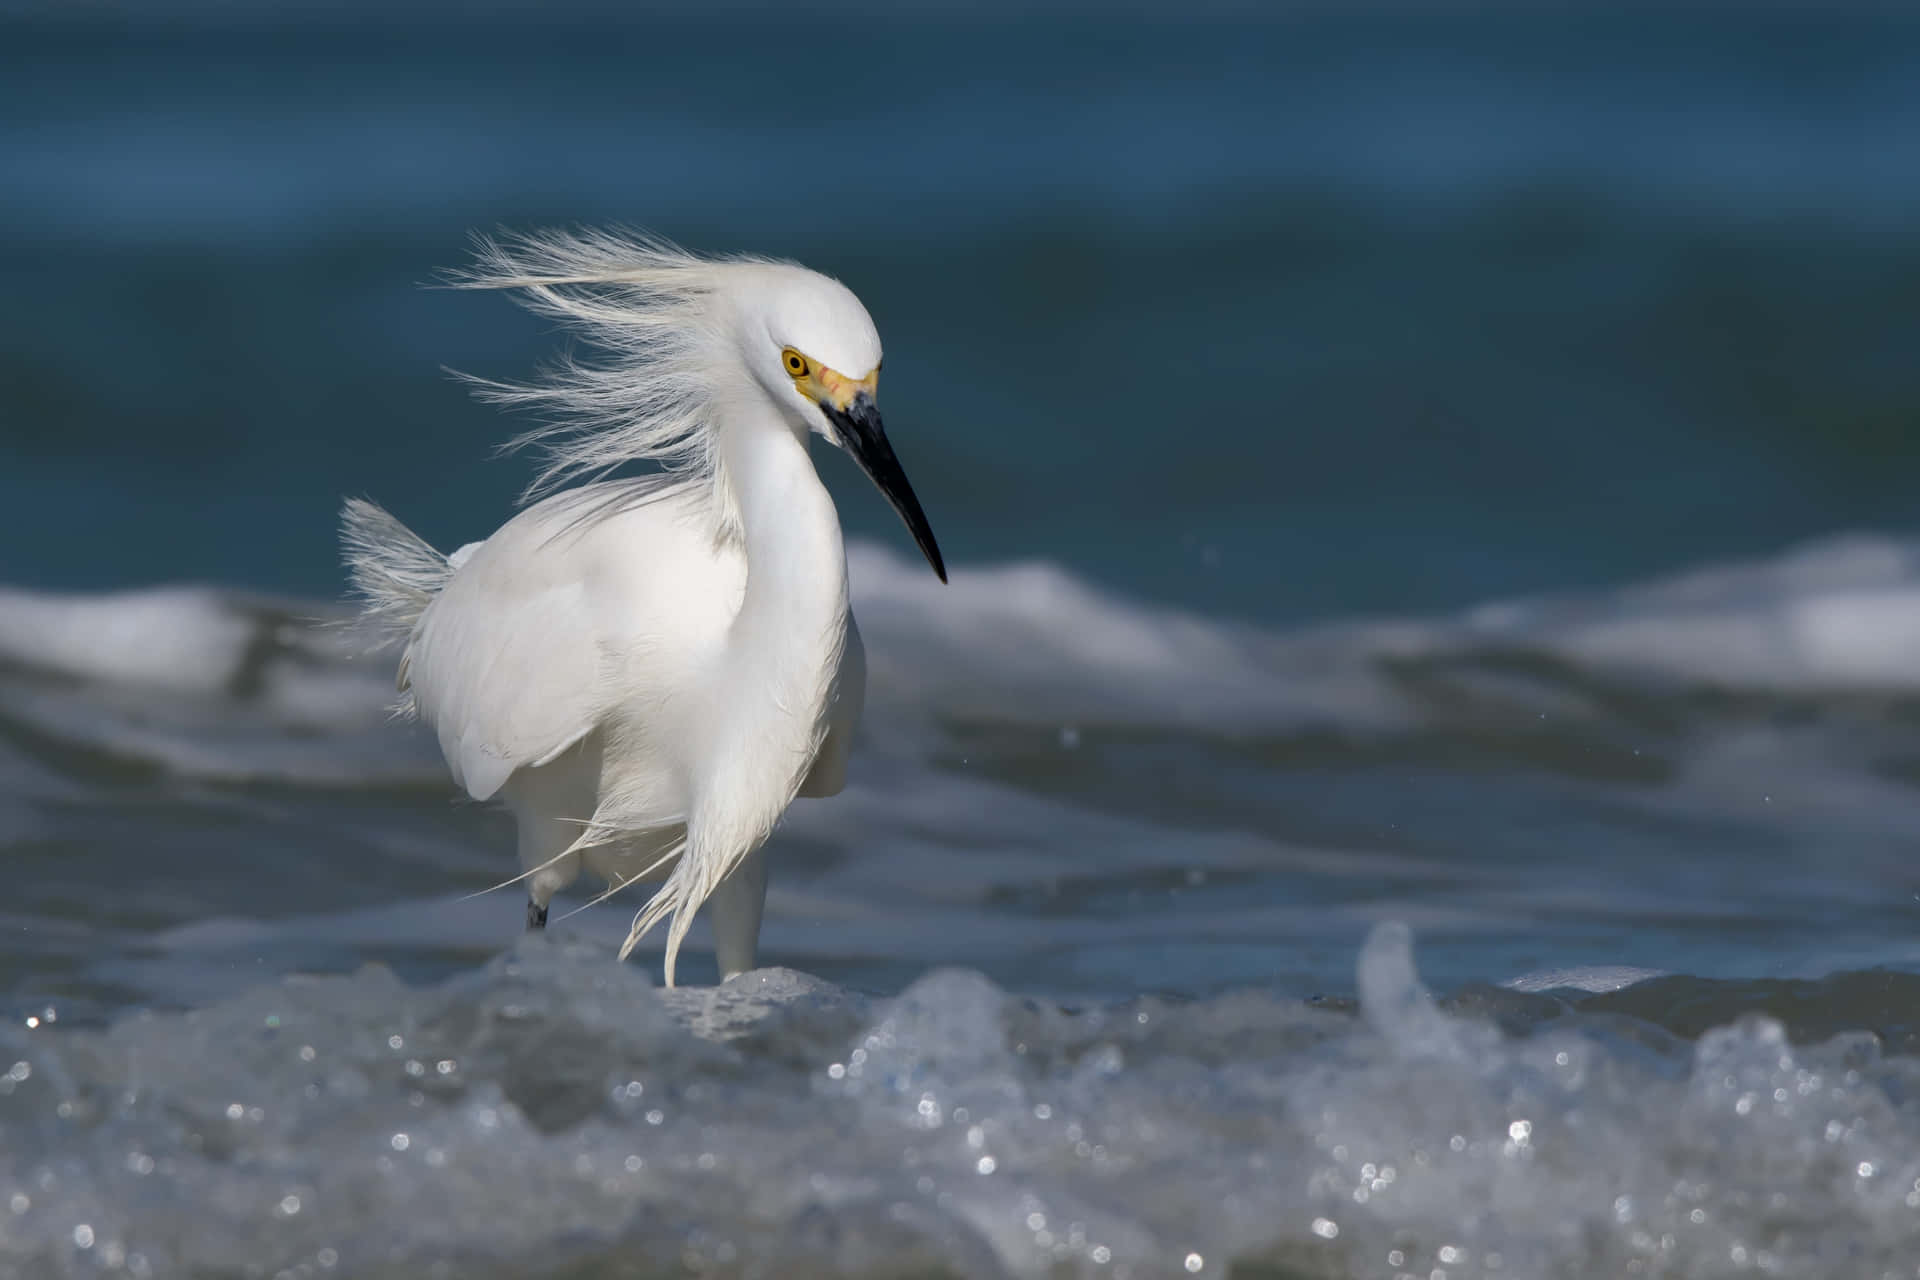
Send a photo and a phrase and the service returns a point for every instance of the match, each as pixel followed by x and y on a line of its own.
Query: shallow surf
pixel 552 1114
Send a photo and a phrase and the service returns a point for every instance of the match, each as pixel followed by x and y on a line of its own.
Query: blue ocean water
pixel 1399 469
pixel 1267 319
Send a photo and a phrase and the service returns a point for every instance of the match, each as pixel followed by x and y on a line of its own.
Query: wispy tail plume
pixel 394 572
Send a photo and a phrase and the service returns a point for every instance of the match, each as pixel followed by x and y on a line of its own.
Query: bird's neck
pixel 786 639
pixel 796 561
pixel 768 714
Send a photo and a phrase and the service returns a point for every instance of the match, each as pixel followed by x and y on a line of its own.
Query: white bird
pixel 647 671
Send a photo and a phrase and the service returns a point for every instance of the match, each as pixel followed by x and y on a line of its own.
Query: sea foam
pixel 553 1114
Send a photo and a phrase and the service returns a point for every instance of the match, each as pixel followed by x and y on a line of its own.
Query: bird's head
pixel 689 337
pixel 811 346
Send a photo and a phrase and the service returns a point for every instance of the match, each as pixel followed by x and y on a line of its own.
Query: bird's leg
pixel 737 903
pixel 546 852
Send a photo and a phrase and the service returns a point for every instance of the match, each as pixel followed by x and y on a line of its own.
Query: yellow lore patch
pixel 824 385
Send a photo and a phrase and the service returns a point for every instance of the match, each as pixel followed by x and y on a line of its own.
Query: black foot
pixel 536 916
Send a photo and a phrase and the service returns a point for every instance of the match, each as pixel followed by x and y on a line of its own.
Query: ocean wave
pixel 219 684
pixel 200 682
pixel 552 1114
pixel 1836 616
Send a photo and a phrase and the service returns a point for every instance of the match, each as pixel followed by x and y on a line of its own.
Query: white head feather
pixel 683 334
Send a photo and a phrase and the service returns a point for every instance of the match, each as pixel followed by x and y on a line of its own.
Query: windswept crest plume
pixel 644 302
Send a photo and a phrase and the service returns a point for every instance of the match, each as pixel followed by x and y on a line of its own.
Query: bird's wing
pixel 508 678
pixel 508 664
pixel 530 643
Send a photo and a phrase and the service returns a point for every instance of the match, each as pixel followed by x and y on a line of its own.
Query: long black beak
pixel 863 437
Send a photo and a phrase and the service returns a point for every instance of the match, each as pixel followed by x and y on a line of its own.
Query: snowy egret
pixel 648 671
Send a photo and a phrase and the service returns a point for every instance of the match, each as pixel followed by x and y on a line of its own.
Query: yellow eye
pixel 795 362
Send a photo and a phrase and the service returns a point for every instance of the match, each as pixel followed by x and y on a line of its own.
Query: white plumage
pixel 647 671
